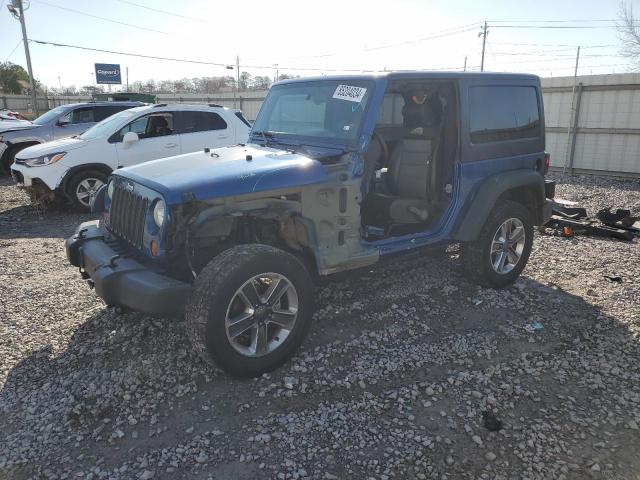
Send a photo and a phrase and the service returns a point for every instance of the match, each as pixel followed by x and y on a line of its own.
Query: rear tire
pixel 243 333
pixel 495 259
pixel 82 186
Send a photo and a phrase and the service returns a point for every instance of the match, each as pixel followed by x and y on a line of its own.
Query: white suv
pixel 75 168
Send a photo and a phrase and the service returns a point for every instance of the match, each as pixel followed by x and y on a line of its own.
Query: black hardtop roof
pixel 417 75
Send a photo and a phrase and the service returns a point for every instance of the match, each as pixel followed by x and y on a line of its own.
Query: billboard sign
pixel 108 73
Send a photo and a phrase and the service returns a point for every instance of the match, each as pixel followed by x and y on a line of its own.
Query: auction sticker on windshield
pixel 347 92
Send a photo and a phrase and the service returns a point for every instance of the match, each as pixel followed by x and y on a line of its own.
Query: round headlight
pixel 158 213
pixel 110 188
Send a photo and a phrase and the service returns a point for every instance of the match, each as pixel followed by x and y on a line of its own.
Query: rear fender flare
pixel 480 202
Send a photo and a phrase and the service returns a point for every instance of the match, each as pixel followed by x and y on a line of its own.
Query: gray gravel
pixel 392 382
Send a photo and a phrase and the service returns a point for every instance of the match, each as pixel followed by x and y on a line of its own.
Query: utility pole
pixel 19 14
pixel 127 70
pixel 465 64
pixel 237 79
pixel 483 34
pixel 571 111
pixel 60 82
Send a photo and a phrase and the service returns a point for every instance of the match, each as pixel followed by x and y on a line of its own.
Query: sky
pixel 312 38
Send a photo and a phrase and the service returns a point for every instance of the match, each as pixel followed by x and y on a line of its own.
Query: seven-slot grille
pixel 127 215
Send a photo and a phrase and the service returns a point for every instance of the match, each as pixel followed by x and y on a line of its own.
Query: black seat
pixel 406 201
pixel 407 197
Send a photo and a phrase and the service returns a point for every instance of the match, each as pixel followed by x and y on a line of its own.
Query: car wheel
pixel 10 156
pixel 250 309
pixel 502 249
pixel 83 186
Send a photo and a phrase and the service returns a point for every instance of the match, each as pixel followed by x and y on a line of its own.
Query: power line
pixel 140 55
pixel 554 45
pixel 224 65
pixel 442 33
pixel 554 21
pixel 163 11
pixel 542 54
pixel 13 51
pixel 104 18
pixel 555 26
pixel 548 59
pixel 539 52
pixel 185 60
pixel 433 36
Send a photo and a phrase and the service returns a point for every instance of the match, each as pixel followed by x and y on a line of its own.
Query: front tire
pixel 83 186
pixel 501 251
pixel 250 309
pixel 10 156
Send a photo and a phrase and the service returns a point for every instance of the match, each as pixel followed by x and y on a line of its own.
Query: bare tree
pixel 629 34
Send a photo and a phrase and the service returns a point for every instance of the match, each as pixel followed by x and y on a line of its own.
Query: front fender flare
pixel 480 202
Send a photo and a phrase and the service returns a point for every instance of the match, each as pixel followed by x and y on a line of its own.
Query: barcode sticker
pixel 347 92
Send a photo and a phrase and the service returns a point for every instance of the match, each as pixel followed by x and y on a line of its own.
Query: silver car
pixel 63 121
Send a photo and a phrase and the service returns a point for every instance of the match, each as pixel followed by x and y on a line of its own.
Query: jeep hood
pixel 56 146
pixel 225 172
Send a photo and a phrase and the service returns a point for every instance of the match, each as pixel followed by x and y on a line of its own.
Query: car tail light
pixel 547 162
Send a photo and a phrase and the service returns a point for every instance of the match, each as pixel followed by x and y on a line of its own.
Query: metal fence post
pixel 576 123
pixel 241 102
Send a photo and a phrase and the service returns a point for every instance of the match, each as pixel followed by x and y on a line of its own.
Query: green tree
pixel 245 80
pixel 11 78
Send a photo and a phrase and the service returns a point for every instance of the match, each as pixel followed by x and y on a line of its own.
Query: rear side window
pixel 79 115
pixel 201 122
pixel 105 111
pixel 500 114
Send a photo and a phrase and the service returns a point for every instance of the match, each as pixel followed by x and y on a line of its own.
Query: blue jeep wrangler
pixel 339 173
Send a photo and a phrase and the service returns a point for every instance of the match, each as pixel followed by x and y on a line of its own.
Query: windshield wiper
pixel 264 136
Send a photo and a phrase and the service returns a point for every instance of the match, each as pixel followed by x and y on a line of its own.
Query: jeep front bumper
pixel 119 279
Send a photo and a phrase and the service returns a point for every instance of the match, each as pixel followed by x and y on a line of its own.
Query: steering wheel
pixel 384 158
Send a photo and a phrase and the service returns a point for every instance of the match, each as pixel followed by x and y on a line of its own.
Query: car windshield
pixel 328 110
pixel 50 115
pixel 107 126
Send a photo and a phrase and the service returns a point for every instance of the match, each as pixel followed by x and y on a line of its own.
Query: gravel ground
pixel 392 382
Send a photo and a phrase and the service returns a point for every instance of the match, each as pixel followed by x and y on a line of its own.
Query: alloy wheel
pixel 87 189
pixel 261 314
pixel 507 246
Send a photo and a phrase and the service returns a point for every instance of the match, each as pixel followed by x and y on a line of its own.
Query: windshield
pixel 329 110
pixel 50 115
pixel 107 126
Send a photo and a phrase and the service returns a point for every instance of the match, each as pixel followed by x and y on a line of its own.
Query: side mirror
pixel 63 123
pixel 130 138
